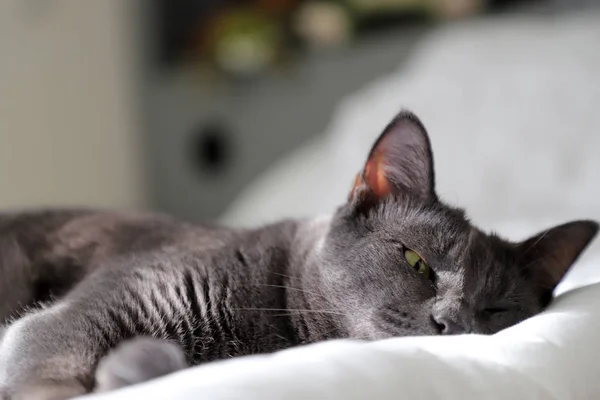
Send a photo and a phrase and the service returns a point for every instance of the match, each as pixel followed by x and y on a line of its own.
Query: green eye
pixel 415 261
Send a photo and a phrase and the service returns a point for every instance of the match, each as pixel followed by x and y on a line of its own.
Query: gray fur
pixel 110 281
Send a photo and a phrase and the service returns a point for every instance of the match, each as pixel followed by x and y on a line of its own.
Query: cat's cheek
pixel 391 320
pixel 369 332
pixel 404 317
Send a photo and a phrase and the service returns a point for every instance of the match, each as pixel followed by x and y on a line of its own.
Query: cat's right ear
pixel 400 162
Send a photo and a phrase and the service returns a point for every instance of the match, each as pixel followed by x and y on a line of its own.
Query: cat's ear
pixel 399 162
pixel 547 256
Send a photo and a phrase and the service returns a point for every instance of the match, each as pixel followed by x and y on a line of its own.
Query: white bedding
pixel 516 134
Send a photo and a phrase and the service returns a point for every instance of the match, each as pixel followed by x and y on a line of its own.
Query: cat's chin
pixel 375 336
pixel 391 332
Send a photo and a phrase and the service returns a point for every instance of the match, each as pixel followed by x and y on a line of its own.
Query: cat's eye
pixel 416 261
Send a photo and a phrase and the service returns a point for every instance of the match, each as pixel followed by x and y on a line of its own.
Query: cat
pixel 129 296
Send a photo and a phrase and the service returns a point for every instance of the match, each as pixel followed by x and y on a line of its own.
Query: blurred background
pixel 247 110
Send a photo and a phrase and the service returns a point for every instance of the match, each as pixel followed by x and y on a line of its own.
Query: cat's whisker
pixel 283 275
pixel 283 315
pixel 293 288
pixel 277 335
pixel 292 310
pixel 292 314
pixel 326 333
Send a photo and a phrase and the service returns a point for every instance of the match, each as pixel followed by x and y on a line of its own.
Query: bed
pixel 511 105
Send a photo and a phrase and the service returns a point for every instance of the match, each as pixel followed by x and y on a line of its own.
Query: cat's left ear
pixel 547 256
pixel 399 162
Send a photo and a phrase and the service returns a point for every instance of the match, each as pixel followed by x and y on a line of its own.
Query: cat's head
pixel 397 261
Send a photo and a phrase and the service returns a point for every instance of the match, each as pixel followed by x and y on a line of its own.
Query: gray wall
pixel 264 120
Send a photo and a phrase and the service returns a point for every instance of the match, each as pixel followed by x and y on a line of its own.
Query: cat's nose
pixel 447 326
pixel 450 316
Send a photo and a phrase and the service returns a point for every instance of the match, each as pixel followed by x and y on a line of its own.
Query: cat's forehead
pixel 435 229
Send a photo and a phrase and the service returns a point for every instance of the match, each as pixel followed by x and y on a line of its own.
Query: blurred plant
pixel 247 37
pixel 325 23
pixel 245 41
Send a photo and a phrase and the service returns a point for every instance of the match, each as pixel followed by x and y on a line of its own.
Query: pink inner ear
pixel 375 176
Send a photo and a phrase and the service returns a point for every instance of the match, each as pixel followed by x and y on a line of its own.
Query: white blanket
pixel 512 107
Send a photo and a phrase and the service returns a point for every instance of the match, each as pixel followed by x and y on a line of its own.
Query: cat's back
pixel 44 253
pixel 98 232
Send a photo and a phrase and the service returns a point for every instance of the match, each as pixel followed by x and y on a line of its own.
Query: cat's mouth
pixel 386 324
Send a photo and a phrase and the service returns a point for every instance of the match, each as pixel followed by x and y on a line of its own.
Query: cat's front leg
pixel 49 354
pixel 46 390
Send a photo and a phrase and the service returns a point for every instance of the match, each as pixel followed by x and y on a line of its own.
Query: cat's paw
pixel 137 361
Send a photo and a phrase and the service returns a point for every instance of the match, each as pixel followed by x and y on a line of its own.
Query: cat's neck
pixel 310 236
pixel 304 289
pixel 285 259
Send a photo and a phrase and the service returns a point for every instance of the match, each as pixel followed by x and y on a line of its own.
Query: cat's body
pixel 392 261
pixel 216 292
pixel 147 275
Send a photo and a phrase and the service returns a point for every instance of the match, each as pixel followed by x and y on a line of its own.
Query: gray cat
pixel 392 261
